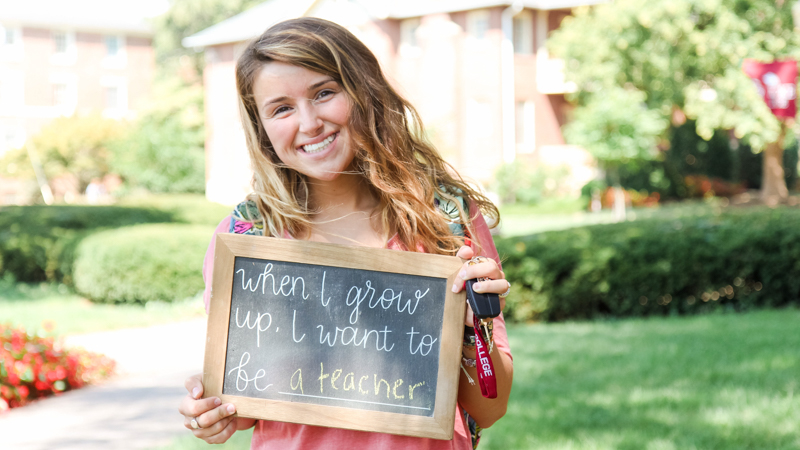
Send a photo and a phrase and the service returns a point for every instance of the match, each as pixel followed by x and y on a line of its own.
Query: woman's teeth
pixel 319 146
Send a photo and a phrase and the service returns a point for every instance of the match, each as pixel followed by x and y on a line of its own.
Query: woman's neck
pixel 346 212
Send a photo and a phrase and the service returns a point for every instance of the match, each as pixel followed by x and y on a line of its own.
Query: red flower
pixel 22 391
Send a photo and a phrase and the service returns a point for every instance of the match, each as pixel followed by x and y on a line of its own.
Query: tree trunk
pixel 773 183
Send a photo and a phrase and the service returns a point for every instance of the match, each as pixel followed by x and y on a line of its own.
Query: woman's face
pixel 305 115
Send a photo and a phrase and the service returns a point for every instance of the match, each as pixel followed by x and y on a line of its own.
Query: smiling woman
pixel 339 157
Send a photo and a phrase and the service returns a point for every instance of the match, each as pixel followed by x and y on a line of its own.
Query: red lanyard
pixel 483 363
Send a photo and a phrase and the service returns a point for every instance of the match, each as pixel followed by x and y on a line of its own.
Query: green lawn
pixel 727 381
pixel 34 305
pixel 706 382
pixel 560 214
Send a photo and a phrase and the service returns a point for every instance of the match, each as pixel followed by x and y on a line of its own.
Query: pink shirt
pixel 288 436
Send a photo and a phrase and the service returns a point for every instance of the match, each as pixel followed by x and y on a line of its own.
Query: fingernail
pixel 477 287
pixel 195 392
pixel 462 274
pixel 455 288
pixel 217 402
pixel 231 409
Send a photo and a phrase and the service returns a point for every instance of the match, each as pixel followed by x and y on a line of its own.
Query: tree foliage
pixel 682 55
pixel 77 145
pixel 164 151
pixel 185 18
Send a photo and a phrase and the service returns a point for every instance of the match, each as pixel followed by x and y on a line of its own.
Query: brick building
pixel 59 58
pixel 478 72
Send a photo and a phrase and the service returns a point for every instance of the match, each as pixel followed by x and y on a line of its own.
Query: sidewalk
pixel 136 409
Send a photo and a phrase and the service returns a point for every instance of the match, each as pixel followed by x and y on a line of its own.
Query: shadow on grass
pixel 710 382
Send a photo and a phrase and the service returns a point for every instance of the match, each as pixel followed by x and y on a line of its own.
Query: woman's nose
pixel 310 123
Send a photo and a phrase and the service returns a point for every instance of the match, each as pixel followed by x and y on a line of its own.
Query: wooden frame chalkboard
pixel 336 336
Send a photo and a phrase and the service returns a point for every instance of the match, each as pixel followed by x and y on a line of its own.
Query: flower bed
pixel 32 367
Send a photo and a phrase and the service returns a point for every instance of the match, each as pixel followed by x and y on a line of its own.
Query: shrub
pixel 37 243
pixel 142 263
pixel 738 259
pixel 33 366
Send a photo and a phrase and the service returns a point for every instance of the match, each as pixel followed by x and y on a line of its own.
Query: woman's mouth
pixel 319 146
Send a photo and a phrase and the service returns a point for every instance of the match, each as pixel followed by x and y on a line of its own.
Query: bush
pixel 142 263
pixel 739 259
pixel 33 366
pixel 37 243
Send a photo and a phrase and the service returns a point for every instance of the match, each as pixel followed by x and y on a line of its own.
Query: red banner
pixel 777 84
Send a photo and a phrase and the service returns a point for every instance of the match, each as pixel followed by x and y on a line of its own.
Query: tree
pixel 77 146
pixel 163 151
pixel 618 129
pixel 187 17
pixel 684 56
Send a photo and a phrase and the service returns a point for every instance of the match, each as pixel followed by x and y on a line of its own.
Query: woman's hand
pixel 487 268
pixel 215 420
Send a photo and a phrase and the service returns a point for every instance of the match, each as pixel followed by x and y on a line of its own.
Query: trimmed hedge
pixel 37 243
pixel 738 259
pixel 142 263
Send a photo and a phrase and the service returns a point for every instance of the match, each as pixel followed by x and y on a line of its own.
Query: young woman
pixel 338 156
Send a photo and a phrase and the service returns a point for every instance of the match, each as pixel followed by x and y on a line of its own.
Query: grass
pixel 561 214
pixel 185 208
pixel 38 307
pixel 725 381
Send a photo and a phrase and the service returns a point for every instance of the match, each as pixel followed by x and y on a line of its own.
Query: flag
pixel 776 82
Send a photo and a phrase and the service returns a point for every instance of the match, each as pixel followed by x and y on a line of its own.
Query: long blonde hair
pixel 401 167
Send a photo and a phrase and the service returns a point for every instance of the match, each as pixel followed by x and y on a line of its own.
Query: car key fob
pixel 484 305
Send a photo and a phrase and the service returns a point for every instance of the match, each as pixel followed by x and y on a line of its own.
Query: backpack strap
pixel 450 211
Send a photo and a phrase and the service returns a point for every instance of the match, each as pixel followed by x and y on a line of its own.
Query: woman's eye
pixel 324 94
pixel 280 110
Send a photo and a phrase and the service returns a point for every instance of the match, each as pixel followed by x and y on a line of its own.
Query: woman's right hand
pixel 215 420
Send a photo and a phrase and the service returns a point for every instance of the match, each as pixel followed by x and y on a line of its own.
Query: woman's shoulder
pixel 247 219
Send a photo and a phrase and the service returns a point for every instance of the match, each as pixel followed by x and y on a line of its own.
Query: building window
pixel 115 93
pixel 112 97
pixel 408 32
pixel 60 42
pixel 526 127
pixel 10 43
pixel 523 33
pixel 478 23
pixel 115 52
pixel 112 46
pixel 60 94
pixel 64 52
pixel 9 37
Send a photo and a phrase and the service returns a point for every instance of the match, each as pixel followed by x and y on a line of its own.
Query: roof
pixel 254 21
pixel 249 24
pixel 415 8
pixel 116 16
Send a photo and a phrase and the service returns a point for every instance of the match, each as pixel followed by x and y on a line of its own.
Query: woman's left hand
pixel 487 268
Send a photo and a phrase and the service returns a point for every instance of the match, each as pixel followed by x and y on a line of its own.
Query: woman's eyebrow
pixel 320 83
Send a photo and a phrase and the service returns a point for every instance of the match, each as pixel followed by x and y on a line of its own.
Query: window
pixel 63 48
pixel 478 23
pixel 10 43
pixel 12 88
pixel 60 42
pixel 112 97
pixel 60 94
pixel 115 93
pixel 408 32
pixel 526 127
pixel 523 33
pixel 112 46
pixel 115 52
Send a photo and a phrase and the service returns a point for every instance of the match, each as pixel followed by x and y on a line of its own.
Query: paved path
pixel 137 409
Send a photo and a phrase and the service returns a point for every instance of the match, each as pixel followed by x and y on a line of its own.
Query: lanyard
pixel 483 363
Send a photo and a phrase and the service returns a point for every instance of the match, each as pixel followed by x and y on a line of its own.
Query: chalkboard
pixel 337 336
